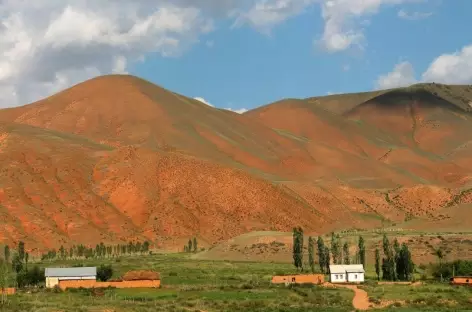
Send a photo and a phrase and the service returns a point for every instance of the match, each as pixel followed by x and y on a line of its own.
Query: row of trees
pixel 192 245
pixel 100 251
pixel 18 268
pixel 396 262
pixel 325 253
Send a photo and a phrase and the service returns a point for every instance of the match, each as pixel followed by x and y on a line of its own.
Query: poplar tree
pixel 6 253
pixel 146 246
pixel 335 248
pixel 388 263
pixel 311 253
pixel 377 263
pixel 297 248
pixel 321 254
pixel 361 250
pixel 347 260
pixel 405 265
pixel 189 249
pixel 327 259
pixel 396 257
pixel 21 251
pixel 195 245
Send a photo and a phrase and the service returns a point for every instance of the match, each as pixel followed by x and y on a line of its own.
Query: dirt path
pixel 360 300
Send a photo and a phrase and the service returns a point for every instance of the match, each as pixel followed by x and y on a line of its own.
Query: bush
pixel 32 277
pixel 461 268
pixel 104 272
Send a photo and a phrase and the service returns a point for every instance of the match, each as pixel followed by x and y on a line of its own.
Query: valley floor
pixel 202 285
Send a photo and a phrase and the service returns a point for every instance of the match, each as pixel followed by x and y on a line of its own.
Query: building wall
pixel 8 291
pixel 466 280
pixel 298 279
pixel 124 284
pixel 338 278
pixel 51 282
pixel 355 277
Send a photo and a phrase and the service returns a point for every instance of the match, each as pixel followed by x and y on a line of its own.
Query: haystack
pixel 141 275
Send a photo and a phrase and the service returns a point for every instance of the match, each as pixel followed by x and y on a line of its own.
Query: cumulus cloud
pixel 343 19
pixel 449 68
pixel 413 16
pixel 453 68
pixel 48 45
pixel 52 44
pixel 402 75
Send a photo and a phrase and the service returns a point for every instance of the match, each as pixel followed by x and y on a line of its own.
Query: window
pixel 341 276
pixel 336 276
pixel 355 276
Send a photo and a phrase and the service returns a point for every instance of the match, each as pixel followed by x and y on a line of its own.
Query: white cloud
pixel 238 110
pixel 52 44
pixel 265 14
pixel 454 68
pixel 413 16
pixel 200 99
pixel 402 75
pixel 342 21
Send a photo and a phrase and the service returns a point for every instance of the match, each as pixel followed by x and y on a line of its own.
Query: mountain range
pixel 117 158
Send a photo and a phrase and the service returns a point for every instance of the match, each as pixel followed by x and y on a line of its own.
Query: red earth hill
pixel 118 158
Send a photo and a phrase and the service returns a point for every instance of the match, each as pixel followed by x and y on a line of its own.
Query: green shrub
pixel 104 272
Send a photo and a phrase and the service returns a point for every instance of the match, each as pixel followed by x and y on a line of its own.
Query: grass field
pixel 198 285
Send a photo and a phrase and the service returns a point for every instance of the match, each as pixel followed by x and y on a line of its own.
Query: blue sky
pixel 244 68
pixel 236 54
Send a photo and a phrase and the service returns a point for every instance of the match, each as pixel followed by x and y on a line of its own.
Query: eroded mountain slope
pixel 118 158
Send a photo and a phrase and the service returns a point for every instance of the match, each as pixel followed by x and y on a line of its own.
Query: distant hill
pixel 118 158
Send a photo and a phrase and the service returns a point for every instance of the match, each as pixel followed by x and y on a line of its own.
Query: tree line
pixel 396 263
pixel 337 253
pixel 17 266
pixel 192 245
pixel 100 251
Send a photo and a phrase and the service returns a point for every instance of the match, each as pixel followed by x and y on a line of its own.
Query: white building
pixel 54 275
pixel 346 273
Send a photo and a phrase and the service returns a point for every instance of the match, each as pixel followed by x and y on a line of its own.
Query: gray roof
pixel 70 272
pixel 346 268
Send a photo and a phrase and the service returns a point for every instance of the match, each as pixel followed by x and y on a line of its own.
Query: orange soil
pixel 118 158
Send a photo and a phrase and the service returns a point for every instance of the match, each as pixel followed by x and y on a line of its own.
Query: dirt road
pixel 360 300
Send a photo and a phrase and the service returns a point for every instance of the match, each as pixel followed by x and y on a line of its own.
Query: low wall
pixel 8 291
pixel 94 284
pixel 299 279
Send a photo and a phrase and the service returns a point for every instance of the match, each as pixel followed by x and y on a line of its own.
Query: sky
pixel 234 54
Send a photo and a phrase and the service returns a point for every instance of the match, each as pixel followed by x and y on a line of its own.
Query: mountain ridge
pixel 118 157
